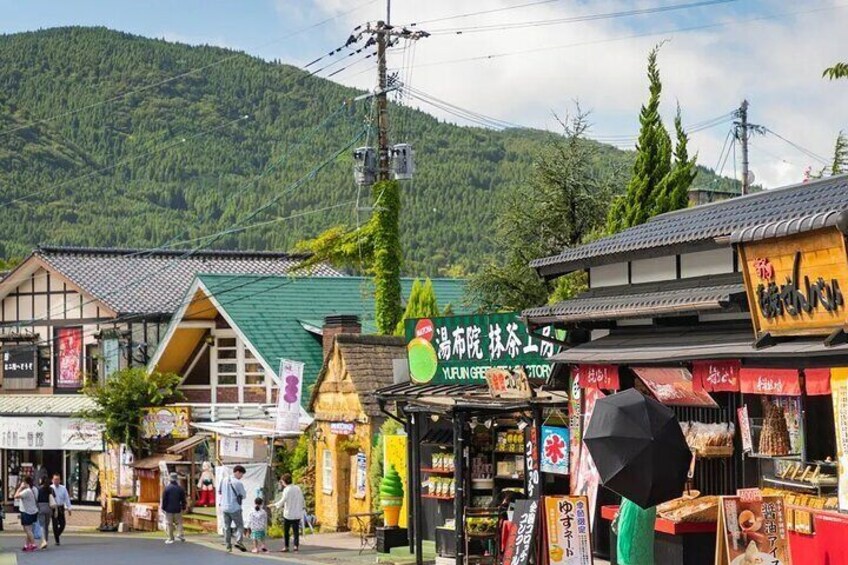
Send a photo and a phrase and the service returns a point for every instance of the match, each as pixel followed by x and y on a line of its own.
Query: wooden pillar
pixel 459 481
pixel 415 487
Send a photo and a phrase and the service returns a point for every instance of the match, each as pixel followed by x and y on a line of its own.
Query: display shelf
pixel 790 456
pixel 508 478
pixel 500 452
pixel 437 497
pixel 818 488
pixel 434 471
pixel 667 526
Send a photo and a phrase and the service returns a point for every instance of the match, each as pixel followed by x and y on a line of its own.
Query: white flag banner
pixel 288 398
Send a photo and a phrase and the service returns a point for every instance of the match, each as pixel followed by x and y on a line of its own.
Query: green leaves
pixel 837 71
pixel 122 397
pixel 421 303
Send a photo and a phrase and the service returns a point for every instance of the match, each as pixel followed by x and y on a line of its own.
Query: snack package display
pixel 709 439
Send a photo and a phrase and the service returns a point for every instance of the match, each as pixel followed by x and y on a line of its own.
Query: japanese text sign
pixel 524 518
pixel 555 450
pixel 166 422
pixel 839 386
pixel 288 398
pixel 531 461
pixel 504 383
pixel 716 376
pixel 777 382
pixel 69 357
pixel 568 533
pixel 19 362
pixel 460 349
pixel 752 531
pixel 745 429
pixel 597 376
pixel 795 284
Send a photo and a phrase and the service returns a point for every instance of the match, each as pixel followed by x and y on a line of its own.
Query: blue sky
pixel 774 62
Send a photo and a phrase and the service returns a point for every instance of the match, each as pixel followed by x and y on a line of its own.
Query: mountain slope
pixel 205 178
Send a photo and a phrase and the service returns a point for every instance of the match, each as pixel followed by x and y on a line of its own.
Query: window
pixel 235 365
pixel 227 360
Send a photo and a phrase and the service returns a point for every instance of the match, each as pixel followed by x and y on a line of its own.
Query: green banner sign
pixel 460 349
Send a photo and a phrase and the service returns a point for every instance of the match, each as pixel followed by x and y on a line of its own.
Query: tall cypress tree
pixel 673 191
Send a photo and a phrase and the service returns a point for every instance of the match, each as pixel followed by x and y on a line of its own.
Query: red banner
pixel 597 376
pixel 778 382
pixel 817 381
pixel 673 386
pixel 716 376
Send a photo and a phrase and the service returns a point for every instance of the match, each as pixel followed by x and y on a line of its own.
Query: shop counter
pixel 827 542
pixel 685 543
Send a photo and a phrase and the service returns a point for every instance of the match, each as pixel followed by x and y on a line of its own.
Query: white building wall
pixel 712 262
pixel 608 275
pixel 652 270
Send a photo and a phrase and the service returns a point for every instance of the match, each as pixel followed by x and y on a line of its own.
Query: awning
pixel 45 404
pixel 664 346
pixel 244 428
pixel 673 386
pixel 465 396
pixel 152 462
pixel 770 381
pixel 189 443
pixel 646 300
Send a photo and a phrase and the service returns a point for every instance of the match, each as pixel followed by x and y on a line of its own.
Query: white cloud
pixel 775 63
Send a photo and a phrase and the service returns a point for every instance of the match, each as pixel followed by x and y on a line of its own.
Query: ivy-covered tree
pixel 659 183
pixel 563 205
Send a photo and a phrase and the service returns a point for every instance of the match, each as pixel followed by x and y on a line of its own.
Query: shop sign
pixel 505 383
pixel 342 428
pixel 745 429
pixel 555 450
pixel 20 362
pixel 523 528
pixel 142 511
pixel 50 432
pixel 597 376
pixel 795 284
pixel 716 376
pixel 817 382
pixel 839 386
pixel 569 539
pixel 775 382
pixel 166 422
pixel 576 429
pixel 752 531
pixel 460 349
pixel 289 395
pixel 361 476
pixel 531 460
pixel 588 478
pixel 69 358
pixel 237 447
pixel 673 386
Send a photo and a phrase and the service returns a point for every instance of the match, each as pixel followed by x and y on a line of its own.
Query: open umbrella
pixel 638 448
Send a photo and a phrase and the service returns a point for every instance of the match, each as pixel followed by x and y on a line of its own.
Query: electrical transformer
pixel 365 166
pixel 403 161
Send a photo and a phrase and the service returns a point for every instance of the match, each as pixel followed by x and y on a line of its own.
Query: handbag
pixel 36 530
pixel 239 498
pixel 52 502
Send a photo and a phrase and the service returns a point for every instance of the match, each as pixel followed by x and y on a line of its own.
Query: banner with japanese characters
pixel 460 349
pixel 839 385
pixel 555 447
pixel 568 534
pixel 752 529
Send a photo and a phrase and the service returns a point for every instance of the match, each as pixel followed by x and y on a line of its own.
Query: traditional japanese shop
pixel 488 436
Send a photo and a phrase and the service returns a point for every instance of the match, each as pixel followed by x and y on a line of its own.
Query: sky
pixel 714 55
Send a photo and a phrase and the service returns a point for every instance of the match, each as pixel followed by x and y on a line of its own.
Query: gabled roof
pixel 369 360
pixel 268 312
pixel 152 281
pixel 700 227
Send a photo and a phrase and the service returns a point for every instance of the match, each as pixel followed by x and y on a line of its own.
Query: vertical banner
pixel 745 429
pixel 288 398
pixel 587 474
pixel 360 478
pixel 569 539
pixel 576 426
pixel 839 387
pixel 524 520
pixel 69 358
pixel 394 453
pixel 555 443
pixel 531 460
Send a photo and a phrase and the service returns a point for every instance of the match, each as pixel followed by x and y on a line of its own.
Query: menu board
pixel 567 527
pixel 752 531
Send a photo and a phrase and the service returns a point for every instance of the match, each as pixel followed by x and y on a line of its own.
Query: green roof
pixel 271 311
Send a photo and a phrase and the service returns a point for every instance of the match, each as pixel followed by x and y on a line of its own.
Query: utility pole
pixel 742 133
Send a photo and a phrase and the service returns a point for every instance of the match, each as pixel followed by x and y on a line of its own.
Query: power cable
pixel 800 148
pixel 482 12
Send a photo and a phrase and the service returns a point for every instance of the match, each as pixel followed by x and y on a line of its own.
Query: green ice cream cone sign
pixel 391 497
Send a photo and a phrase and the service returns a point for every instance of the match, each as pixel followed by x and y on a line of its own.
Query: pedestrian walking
pixel 294 506
pixel 258 524
pixel 45 503
pixel 29 511
pixel 232 494
pixel 63 507
pixel 173 505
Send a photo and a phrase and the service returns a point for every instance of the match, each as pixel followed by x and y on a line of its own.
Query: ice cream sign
pixel 461 349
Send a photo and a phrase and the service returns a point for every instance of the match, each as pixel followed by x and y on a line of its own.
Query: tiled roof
pixel 646 300
pixel 369 363
pixel 44 404
pixel 702 225
pixel 792 226
pixel 268 310
pixel 145 281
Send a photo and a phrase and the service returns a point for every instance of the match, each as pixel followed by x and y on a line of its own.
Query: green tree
pixel 840 155
pixel 422 303
pixel 388 256
pixel 658 184
pixel 563 205
pixel 837 71
pixel 123 396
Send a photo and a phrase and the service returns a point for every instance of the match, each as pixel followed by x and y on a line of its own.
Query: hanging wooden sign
pixel 796 284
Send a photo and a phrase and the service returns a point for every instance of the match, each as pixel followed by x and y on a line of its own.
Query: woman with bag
pixel 46 504
pixel 29 511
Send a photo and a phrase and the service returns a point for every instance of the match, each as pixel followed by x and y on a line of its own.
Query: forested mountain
pixel 181 162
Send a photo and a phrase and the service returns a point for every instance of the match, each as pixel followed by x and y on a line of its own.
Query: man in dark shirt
pixel 173 505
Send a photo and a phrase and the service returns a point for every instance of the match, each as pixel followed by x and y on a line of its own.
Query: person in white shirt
pixel 258 524
pixel 231 494
pixel 63 505
pixel 293 505
pixel 29 510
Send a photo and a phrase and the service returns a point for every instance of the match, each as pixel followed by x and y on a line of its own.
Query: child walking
pixel 258 526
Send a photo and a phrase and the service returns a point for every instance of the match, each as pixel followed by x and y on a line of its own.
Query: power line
pixel 182 75
pixel 800 148
pixel 482 12
pixel 575 19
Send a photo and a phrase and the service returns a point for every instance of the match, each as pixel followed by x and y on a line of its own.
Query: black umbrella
pixel 638 448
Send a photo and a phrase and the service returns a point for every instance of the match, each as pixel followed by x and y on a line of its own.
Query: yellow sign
pixel 166 422
pixel 395 454
pixel 839 389
pixel 796 284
